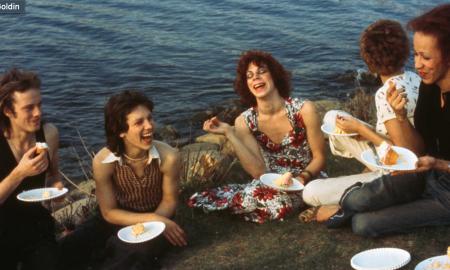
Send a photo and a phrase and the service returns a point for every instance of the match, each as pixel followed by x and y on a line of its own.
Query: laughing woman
pixel 276 134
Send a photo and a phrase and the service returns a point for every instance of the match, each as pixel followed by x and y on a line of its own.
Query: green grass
pixel 219 240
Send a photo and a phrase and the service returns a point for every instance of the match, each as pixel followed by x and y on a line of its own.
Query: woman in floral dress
pixel 276 134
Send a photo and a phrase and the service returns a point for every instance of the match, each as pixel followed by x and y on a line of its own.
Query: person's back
pixel 384 48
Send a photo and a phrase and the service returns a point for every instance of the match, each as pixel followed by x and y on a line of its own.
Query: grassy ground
pixel 221 241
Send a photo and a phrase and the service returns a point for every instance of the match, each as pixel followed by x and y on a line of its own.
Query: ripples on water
pixel 181 53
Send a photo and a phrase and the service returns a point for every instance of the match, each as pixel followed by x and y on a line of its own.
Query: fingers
pixel 176 236
pixel 30 153
pixel 58 185
pixel 391 89
pixel 207 125
pixel 215 121
pixel 39 165
pixel 211 123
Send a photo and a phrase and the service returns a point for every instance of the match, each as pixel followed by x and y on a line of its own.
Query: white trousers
pixel 328 191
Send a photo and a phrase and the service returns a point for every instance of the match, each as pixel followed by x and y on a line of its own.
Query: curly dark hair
pixel 435 22
pixel 116 111
pixel 14 80
pixel 384 46
pixel 281 77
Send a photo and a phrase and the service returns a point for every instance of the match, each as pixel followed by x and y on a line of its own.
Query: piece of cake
pixel 137 229
pixel 41 147
pixel 388 156
pixel 46 194
pixel 338 130
pixel 285 180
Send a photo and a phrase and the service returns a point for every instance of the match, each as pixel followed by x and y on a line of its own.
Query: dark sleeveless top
pixel 12 209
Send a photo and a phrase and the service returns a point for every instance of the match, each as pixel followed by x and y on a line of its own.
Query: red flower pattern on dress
pixel 254 201
pixel 264 193
pixel 293 153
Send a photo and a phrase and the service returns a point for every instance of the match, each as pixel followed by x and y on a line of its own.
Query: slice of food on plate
pixel 388 156
pixel 284 180
pixel 137 229
pixel 338 130
pixel 46 194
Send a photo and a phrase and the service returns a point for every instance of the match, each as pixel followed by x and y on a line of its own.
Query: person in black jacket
pixel 395 204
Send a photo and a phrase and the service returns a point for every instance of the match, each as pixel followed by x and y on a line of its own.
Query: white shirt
pixel 152 154
pixel 409 81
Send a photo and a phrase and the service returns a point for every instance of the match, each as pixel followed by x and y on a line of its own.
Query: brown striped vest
pixel 138 194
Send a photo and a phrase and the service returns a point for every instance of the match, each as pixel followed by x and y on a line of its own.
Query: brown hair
pixel 435 22
pixel 14 80
pixel 280 76
pixel 116 111
pixel 384 46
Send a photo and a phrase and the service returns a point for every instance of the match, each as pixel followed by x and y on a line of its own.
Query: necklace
pixel 135 159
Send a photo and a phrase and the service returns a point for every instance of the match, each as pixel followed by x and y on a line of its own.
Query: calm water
pixel 181 53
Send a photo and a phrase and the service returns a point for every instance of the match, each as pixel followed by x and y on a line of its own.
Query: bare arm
pixel 427 163
pixel 400 130
pixel 315 138
pixel 170 168
pixel 353 125
pixel 244 144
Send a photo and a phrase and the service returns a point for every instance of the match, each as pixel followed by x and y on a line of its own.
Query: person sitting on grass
pixel 27 230
pixel 384 46
pixel 400 203
pixel 136 181
pixel 277 134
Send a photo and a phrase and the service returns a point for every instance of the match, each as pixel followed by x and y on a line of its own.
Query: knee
pixel 364 225
pixel 356 200
pixel 311 194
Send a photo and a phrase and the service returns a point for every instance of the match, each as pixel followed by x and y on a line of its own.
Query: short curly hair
pixel 281 77
pixel 435 22
pixel 116 111
pixel 384 46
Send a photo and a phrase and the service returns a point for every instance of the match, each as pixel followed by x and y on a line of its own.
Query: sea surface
pixel 181 53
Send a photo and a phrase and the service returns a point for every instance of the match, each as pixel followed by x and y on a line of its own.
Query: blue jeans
pixel 398 204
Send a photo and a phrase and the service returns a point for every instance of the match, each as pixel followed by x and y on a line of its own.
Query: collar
pixel 152 154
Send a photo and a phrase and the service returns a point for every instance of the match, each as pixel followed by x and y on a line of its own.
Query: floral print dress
pixel 255 201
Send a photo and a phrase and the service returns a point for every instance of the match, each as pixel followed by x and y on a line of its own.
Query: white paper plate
pixel 406 161
pixel 152 230
pixel 424 265
pixel 268 179
pixel 37 195
pixel 381 259
pixel 329 123
pixel 329 129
